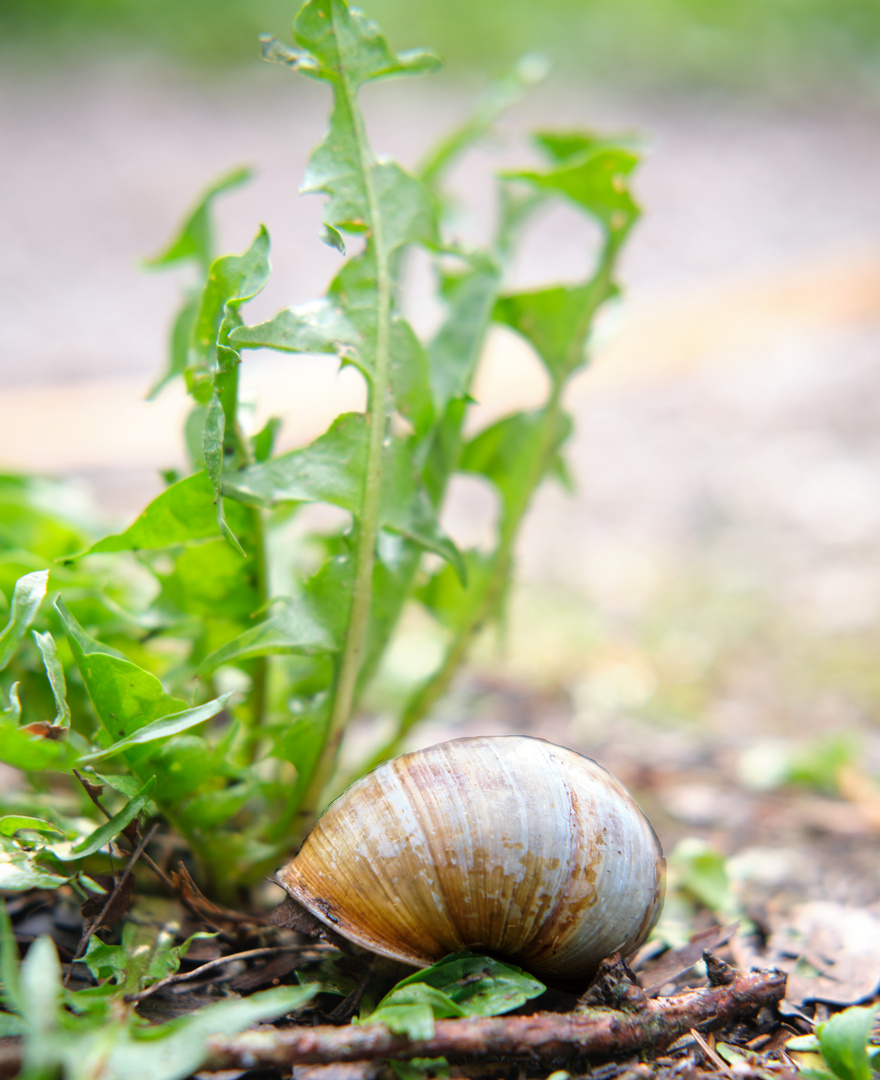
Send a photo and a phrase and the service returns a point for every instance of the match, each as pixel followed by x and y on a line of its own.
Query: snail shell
pixel 511 846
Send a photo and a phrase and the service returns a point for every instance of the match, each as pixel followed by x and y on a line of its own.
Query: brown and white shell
pixel 509 845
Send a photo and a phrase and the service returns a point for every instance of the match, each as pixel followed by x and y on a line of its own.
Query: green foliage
pixel 845 1044
pixel 93 1032
pixel 460 985
pixel 201 665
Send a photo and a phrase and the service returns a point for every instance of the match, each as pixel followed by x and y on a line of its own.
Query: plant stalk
pixel 489 592
pixel 377 416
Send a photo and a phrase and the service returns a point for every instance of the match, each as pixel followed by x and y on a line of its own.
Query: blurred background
pixel 702 614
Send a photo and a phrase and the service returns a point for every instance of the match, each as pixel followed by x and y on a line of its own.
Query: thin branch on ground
pixel 646 1025
pixel 310 952
pixel 120 881
pixel 92 791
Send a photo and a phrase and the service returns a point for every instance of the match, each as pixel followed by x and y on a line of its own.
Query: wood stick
pixel 645 1025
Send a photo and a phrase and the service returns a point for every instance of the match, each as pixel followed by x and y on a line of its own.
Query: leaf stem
pixel 368 525
pixel 259 685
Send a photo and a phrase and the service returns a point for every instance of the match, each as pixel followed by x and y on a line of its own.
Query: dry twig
pixel 309 953
pixel 549 1037
pixel 93 926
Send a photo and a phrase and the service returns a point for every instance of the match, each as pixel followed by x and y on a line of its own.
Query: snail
pixel 511 846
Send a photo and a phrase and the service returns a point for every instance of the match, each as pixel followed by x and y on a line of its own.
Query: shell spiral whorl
pixel 507 845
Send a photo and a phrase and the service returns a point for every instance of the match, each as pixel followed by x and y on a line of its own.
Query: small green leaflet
pixel 55 674
pixel 317 327
pixel 11 823
pixel 172 724
pixel 331 470
pixel 21 870
pixel 147 954
pixel 26 599
pixel 596 181
pixel 130 701
pixel 291 630
pixel 844 1042
pixel 463 984
pixel 333 39
pixel 94 1041
pixel 105 833
pixel 555 321
pixel 196 238
pixel 232 281
pixel 508 452
pixel 10 711
pixel 183 512
pixel 31 751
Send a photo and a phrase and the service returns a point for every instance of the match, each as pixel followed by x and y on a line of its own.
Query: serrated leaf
pixel 185 511
pixel 232 280
pixel 331 469
pixel 477 985
pixel 508 451
pixel 101 836
pixel 595 181
pixel 455 349
pixel 341 39
pixel 328 470
pixel 555 321
pixel 317 327
pixel 26 599
pixel 55 674
pixel 340 45
pixel 195 239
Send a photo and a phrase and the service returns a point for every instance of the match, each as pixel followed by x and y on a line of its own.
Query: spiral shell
pixel 510 845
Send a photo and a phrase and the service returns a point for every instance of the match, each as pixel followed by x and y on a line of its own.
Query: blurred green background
pixel 782 46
